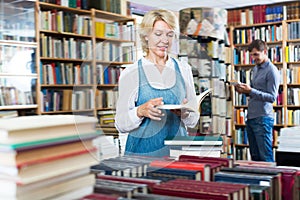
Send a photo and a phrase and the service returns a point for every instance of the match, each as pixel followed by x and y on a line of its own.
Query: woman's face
pixel 160 39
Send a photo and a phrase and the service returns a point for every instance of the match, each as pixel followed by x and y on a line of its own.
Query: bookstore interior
pixel 63 66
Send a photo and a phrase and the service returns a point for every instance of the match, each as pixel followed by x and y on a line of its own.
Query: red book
pixel 98 196
pixel 203 190
pixel 204 168
pixel 225 162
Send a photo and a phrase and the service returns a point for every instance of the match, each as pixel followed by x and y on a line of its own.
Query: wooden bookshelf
pixel 284 39
pixel 89 81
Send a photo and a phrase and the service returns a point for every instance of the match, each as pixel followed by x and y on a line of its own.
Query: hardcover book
pixel 276 180
pixel 289 188
pixel 36 155
pixel 225 162
pixel 43 169
pixel 149 182
pixel 203 167
pixel 174 173
pixel 202 189
pixel 48 189
pixel 194 140
pixel 39 127
pixel 251 179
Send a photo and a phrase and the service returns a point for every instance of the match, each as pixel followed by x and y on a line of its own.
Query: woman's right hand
pixel 149 109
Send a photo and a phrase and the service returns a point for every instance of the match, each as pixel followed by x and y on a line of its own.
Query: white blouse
pixel 126 118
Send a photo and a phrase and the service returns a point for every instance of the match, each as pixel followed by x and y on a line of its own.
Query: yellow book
pixel 287 58
pixel 290 117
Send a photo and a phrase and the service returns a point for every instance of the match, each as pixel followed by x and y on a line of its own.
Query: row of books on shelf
pixel 115 52
pixel 68 48
pixel 67 99
pixel 108 74
pixel 293 117
pixel 77 99
pixel 66 73
pixel 293 96
pixel 115 6
pixel 269 33
pixel 106 98
pixel 83 4
pixel 61 21
pixel 241 137
pixel 70 73
pixel 15 96
pixel 242 56
pixel 293 30
pixel 292 53
pixel 293 74
pixel 192 47
pixel 263 14
pixel 115 30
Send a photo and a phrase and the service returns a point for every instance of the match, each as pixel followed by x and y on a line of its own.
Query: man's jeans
pixel 260 137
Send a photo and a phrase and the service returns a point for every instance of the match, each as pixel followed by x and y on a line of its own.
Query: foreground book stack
pixel 47 156
pixel 210 146
pixel 288 152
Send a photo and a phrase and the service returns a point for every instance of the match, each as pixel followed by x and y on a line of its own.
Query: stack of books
pixel 210 146
pixel 266 181
pixel 127 166
pixel 288 152
pixel 47 156
pixel 202 189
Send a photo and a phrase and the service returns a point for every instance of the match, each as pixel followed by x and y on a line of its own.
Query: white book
pixel 186 106
pixel 39 127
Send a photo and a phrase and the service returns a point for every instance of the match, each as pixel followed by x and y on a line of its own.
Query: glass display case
pixel 18 74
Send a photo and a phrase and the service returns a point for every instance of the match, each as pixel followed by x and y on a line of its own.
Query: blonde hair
pixel 149 20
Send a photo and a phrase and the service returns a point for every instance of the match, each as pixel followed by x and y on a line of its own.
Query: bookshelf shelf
pixel 66 85
pixel 51 6
pixel 112 16
pixel 107 85
pixel 18 75
pixel 67 111
pixel 65 34
pixel 258 25
pixel 65 60
pixel 112 40
pixel 18 107
pixel 18 43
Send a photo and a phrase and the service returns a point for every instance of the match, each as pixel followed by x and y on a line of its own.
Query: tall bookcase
pixel 281 32
pixel 203 44
pixel 18 47
pixel 61 59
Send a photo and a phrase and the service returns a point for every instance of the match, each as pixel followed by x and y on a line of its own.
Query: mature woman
pixel 154 80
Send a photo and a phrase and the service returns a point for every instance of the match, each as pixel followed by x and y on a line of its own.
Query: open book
pixel 187 106
pixel 234 82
